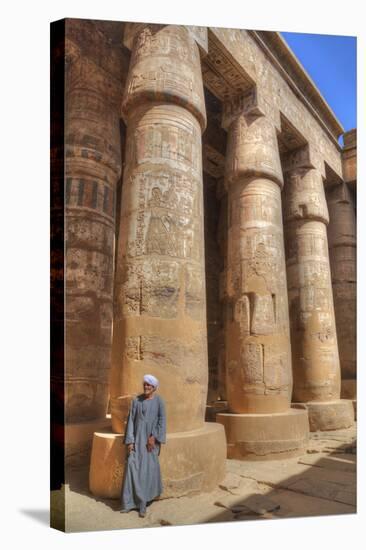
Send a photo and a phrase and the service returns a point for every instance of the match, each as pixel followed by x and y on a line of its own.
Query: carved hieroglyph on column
pixel 258 356
pixel 342 253
pixel 160 303
pixel 313 333
pixel 93 167
pixel 222 235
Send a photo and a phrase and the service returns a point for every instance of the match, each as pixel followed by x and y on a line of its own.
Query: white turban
pixel 150 379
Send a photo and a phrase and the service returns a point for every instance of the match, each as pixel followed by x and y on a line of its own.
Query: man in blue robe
pixel 145 431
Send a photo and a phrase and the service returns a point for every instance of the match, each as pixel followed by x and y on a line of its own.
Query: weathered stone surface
pixel 237 485
pixel 349 157
pixel 330 462
pixel 342 253
pixel 251 53
pixel 295 504
pixel 332 415
pixel 252 149
pixel 324 489
pixel 260 105
pixel 187 467
pixel 165 66
pixel 160 307
pixel 83 513
pixel 222 239
pixel 159 323
pixel 258 358
pixel 260 504
pixel 257 503
pixel 318 480
pixel 265 436
pixel 313 331
pixel 79 437
pixel 93 86
pixel 335 442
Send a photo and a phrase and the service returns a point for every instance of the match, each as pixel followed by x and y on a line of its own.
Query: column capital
pixel 165 68
pixel 342 226
pixel 133 29
pixel 249 104
pixel 252 150
pixel 304 196
pixel 299 159
pixel 199 34
pixel 340 193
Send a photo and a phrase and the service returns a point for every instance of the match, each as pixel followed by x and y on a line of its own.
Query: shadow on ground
pixel 320 482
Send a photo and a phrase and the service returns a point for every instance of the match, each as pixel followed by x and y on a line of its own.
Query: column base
pixel 328 415
pixel 348 389
pixel 79 437
pixel 213 408
pixel 265 436
pixel 191 462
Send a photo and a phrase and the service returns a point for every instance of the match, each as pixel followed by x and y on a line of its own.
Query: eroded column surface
pixel 160 302
pixel 222 236
pixel 92 169
pixel 313 332
pixel 258 356
pixel 342 253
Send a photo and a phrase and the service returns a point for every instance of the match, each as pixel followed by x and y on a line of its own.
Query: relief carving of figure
pixel 161 233
pixel 172 228
pixel 261 261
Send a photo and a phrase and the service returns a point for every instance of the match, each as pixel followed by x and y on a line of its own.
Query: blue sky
pixel 331 62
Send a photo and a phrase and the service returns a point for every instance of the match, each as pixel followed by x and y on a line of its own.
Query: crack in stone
pixel 288 488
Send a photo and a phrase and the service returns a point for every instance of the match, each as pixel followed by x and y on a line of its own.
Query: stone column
pixel 213 263
pixel 92 169
pixel 342 253
pixel 218 236
pixel 313 333
pixel 160 302
pixel 222 235
pixel 261 423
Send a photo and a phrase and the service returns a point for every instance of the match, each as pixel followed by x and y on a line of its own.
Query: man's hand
pixel 130 448
pixel 150 443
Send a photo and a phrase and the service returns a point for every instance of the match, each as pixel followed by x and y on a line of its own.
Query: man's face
pixel 148 389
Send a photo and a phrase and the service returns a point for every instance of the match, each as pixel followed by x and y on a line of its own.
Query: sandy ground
pixel 321 482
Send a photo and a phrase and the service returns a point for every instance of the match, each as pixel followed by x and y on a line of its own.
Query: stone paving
pixel 321 482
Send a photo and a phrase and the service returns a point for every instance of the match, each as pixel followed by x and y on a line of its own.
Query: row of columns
pixel 342 251
pixel 160 308
pixel 315 359
pixel 258 358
